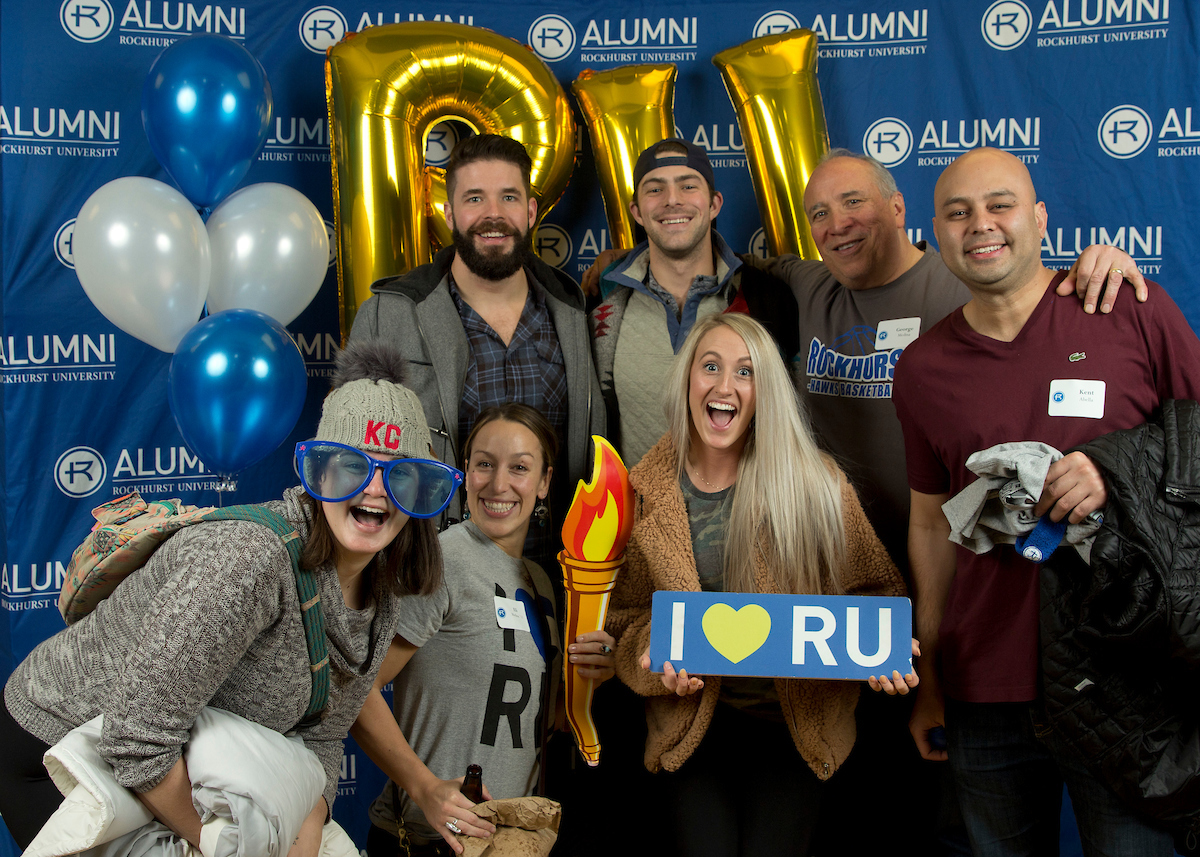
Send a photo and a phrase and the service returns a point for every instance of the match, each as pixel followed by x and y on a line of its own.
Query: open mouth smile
pixel 498 508
pixel 369 516
pixel 721 414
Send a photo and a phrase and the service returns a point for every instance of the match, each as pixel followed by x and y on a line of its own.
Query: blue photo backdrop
pixel 1100 97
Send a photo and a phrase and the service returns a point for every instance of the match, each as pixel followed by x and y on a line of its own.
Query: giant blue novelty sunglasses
pixel 333 472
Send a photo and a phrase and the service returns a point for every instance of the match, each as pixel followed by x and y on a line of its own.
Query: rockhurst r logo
pixel 552 37
pixel 331 234
pixel 758 244
pixel 776 22
pixel 1125 131
pixel 553 245
pixel 86 20
pixel 1006 24
pixel 442 139
pixel 80 471
pixel 64 241
pixel 889 141
pixel 322 27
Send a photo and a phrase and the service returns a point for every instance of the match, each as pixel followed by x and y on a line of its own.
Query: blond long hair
pixel 787 498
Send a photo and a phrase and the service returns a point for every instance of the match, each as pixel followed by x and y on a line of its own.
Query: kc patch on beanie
pixel 369 407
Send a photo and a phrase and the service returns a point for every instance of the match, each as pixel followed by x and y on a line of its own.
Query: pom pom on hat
pixel 369 408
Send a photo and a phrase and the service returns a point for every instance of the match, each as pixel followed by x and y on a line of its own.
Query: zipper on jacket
pixel 1182 494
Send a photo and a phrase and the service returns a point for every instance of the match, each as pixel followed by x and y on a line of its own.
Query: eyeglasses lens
pixel 420 488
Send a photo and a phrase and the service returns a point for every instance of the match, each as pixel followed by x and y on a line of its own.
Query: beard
pixel 494 265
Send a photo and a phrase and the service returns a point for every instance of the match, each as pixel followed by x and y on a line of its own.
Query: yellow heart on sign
pixel 736 634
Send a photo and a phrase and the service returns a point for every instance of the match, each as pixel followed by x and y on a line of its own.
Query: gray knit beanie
pixel 369 409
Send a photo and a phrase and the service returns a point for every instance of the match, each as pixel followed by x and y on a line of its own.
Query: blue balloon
pixel 206 108
pixel 236 388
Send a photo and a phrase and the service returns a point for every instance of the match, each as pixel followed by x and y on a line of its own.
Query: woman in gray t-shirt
pixel 476 662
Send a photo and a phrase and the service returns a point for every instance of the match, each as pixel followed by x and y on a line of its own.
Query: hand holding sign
pixel 897 684
pixel 680 684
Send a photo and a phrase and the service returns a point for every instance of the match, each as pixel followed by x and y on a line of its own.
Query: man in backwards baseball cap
pixel 682 272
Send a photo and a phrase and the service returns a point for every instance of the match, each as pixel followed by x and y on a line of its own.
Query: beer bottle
pixel 472 785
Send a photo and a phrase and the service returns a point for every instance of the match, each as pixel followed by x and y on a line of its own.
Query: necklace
pixel 696 470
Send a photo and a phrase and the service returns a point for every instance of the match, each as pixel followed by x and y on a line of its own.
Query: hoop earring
pixel 541 512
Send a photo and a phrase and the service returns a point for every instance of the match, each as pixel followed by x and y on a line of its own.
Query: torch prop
pixel 595 532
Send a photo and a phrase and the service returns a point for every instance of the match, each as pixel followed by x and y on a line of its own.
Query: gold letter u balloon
pixel 386 88
pixel 772 82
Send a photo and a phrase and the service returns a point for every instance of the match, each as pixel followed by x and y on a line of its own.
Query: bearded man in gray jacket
pixel 487 322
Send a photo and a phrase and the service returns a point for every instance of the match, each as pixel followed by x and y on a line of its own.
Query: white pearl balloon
pixel 141 254
pixel 270 252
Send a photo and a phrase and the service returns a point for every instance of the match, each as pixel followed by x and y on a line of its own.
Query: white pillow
pixel 252 787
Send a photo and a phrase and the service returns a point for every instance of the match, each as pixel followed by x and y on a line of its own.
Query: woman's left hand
pixel 308 842
pixel 592 655
pixel 897 684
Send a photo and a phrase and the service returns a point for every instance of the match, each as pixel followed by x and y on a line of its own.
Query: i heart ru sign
pixel 791 636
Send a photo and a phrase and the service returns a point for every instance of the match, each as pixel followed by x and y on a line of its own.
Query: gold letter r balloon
pixel 386 87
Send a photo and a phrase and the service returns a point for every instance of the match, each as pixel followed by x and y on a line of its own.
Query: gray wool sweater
pixel 212 619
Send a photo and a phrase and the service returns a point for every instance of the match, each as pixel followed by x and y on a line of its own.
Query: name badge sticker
pixel 510 613
pixel 896 333
pixel 1073 397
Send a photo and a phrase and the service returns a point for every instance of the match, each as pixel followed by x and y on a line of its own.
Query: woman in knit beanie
pixel 213 618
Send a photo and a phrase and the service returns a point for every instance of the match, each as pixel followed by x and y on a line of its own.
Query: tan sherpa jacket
pixel 820 714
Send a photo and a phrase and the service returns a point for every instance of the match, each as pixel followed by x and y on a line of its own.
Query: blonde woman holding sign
pixel 736 497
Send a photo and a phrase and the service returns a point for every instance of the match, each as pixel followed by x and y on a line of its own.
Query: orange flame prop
pixel 595 533
pixel 600 519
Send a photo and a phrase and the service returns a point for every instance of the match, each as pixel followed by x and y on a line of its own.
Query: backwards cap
pixel 696 158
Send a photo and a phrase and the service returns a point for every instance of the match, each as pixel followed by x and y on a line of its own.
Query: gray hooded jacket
pixel 416 313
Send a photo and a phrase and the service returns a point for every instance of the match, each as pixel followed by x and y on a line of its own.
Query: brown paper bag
pixel 525 827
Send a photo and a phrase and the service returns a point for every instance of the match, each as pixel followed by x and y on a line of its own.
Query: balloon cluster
pixel 149 262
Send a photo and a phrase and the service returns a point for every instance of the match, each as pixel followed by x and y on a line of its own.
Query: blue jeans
pixel 1010 771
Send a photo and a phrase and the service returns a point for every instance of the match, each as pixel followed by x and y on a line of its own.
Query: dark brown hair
pixel 488 147
pixel 515 412
pixel 411 564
